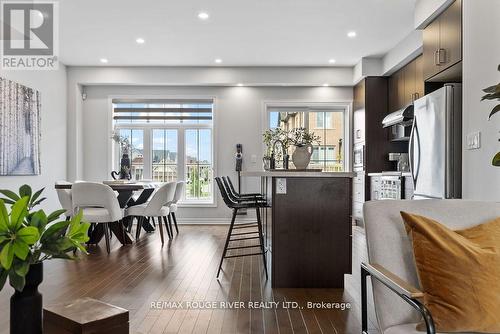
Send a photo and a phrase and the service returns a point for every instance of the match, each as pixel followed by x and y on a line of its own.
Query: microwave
pixel 359 156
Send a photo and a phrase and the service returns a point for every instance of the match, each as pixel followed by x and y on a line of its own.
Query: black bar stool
pixel 236 203
pixel 230 187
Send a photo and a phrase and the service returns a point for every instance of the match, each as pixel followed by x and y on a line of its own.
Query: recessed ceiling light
pixel 332 61
pixel 203 15
pixel 351 34
pixel 218 61
pixel 240 85
pixel 325 85
pixel 104 60
pixel 140 40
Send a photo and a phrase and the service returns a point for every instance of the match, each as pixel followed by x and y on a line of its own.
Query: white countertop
pixel 292 173
pixel 391 173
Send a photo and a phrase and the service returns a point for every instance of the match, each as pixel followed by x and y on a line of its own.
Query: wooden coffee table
pixel 85 315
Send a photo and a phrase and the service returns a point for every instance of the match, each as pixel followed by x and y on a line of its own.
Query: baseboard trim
pixel 212 221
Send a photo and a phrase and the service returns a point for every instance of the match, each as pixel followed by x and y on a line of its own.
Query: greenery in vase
pixel 302 137
pixel 493 93
pixel 29 236
pixel 268 141
pixel 123 141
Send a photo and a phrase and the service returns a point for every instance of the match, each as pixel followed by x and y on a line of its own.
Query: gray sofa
pixel 391 264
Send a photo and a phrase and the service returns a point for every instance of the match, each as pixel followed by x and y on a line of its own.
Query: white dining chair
pixel 179 190
pixel 98 203
pixel 64 196
pixel 156 207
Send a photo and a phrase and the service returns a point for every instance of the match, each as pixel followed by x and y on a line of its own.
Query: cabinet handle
pixel 443 61
pixel 436 57
pixel 417 96
pixel 358 134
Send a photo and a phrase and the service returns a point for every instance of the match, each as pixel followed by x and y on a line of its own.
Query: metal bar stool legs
pixel 261 236
pixel 235 211
pixel 244 236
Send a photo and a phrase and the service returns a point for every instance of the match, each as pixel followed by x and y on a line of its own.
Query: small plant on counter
pixel 493 93
pixel 302 137
pixel 268 139
pixel 28 237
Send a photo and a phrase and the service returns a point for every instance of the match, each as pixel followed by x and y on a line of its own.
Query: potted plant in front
pixel 29 237
pixel 493 93
pixel 303 141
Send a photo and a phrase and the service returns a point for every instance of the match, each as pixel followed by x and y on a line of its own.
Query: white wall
pixel 237 120
pixel 404 52
pixel 183 76
pixel 427 10
pixel 52 85
pixel 481 57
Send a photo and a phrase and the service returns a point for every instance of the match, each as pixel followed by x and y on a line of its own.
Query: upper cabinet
pixel 406 85
pixel 443 41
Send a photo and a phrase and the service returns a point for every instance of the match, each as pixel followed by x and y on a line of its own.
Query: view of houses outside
pixel 328 125
pixel 198 163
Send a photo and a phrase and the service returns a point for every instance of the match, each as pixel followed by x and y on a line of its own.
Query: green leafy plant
pixel 29 236
pixel 302 137
pixel 493 93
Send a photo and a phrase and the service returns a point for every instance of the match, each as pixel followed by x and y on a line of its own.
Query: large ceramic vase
pixel 302 156
pixel 26 306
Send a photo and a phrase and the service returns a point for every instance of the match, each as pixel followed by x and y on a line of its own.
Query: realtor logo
pixel 29 35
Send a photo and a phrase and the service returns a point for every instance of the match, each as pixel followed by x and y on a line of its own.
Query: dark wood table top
pixel 132 186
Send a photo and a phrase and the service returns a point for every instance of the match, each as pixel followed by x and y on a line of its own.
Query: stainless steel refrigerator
pixel 435 148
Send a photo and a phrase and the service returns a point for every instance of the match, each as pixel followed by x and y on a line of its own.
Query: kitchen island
pixel 307 227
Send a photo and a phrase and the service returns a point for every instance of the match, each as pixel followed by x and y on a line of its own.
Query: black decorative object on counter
pixel 26 306
pixel 124 173
pixel 286 160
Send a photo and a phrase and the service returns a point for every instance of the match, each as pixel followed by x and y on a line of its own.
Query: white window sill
pixel 185 204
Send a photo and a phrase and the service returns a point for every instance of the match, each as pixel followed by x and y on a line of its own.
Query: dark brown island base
pixel 307 227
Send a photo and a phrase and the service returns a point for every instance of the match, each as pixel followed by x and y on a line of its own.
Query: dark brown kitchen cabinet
pixel 409 73
pixel 406 85
pixel 397 90
pixel 442 40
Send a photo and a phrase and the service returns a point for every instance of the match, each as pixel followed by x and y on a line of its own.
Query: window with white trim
pixel 168 141
pixel 326 122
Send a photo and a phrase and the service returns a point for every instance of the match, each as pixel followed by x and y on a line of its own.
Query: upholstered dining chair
pixel 64 196
pixel 396 292
pixel 98 203
pixel 156 207
pixel 173 206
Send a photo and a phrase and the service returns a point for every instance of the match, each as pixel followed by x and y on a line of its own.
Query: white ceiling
pixel 240 32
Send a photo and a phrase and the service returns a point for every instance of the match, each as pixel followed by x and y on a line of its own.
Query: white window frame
pixel 309 106
pixel 181 141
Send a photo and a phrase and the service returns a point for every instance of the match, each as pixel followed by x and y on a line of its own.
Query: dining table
pixel 125 198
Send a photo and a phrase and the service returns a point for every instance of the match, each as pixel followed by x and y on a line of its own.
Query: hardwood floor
pixel 135 276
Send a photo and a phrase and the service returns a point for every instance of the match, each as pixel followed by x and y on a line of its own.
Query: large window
pixel 198 163
pixel 326 122
pixel 169 141
pixel 164 154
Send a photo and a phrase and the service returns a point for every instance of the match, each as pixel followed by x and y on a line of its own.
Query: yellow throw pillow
pixel 459 273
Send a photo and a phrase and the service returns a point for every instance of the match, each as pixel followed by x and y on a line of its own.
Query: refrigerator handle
pixel 411 152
